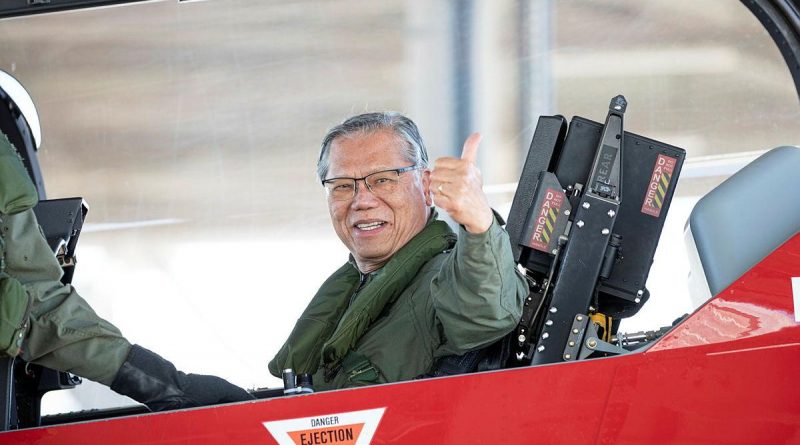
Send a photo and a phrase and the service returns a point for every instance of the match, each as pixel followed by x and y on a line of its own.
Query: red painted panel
pixel 727 374
pixel 758 304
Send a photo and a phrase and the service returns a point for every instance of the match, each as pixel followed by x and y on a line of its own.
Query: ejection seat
pixel 741 221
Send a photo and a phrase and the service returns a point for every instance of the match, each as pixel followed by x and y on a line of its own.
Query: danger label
pixel 545 222
pixel 350 428
pixel 659 186
pixel 344 435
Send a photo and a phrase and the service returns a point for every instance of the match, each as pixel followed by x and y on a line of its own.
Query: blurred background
pixel 192 130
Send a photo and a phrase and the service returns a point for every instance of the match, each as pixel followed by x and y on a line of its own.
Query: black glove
pixel 148 378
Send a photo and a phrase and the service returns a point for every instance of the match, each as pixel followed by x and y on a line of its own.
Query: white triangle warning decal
pixel 350 428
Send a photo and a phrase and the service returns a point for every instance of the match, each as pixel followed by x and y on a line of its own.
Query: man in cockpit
pixel 46 322
pixel 412 292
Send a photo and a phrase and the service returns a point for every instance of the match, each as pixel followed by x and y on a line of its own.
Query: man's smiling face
pixel 375 227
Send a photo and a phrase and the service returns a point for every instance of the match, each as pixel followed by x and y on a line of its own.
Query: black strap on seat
pixel 488 358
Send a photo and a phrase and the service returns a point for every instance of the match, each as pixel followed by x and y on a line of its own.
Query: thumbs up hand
pixel 457 188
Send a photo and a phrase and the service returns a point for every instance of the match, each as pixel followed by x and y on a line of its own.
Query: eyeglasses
pixel 382 183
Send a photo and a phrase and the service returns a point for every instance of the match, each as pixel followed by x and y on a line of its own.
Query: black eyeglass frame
pixel 364 178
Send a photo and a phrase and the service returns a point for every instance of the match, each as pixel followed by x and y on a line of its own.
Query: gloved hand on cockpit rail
pixel 46 322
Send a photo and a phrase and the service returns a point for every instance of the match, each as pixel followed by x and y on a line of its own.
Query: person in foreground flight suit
pixel 46 322
pixel 413 291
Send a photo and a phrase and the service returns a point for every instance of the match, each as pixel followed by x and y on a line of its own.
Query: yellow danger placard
pixel 658 187
pixel 546 218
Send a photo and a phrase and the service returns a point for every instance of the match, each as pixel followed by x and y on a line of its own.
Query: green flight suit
pixel 44 321
pixel 463 297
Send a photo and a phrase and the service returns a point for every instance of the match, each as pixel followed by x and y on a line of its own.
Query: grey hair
pixel 402 126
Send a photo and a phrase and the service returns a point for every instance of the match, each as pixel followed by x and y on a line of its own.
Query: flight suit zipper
pixel 363 279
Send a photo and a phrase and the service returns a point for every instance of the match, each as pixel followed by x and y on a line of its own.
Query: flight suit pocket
pixel 15 307
pixel 360 371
